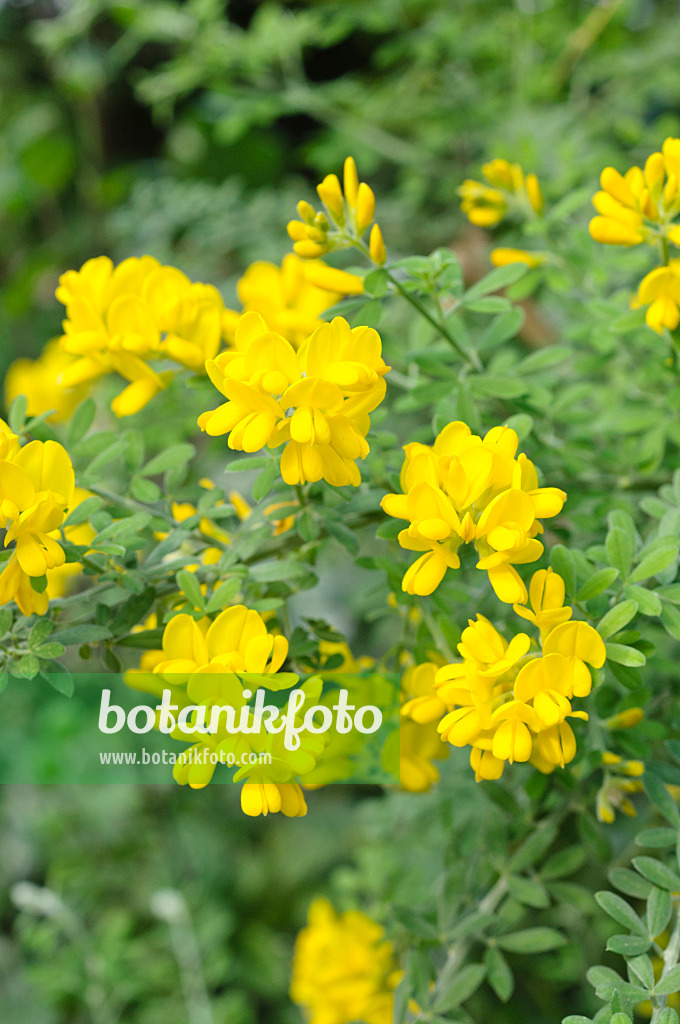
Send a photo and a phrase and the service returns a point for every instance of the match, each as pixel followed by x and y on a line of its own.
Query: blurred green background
pixel 188 131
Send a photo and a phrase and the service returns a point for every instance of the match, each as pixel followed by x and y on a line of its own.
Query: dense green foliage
pixel 188 131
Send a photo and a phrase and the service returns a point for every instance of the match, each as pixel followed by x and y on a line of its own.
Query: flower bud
pixel 376 246
pixel 330 195
pixel 365 207
pixel 351 181
pixel 625 719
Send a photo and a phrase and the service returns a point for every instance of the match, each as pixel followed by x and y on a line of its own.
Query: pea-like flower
pixel 660 292
pixel 344 968
pixel 120 319
pixel 36 489
pixel 510 701
pixel 465 489
pixel 642 204
pixel 315 401
pixel 506 191
pixel 291 298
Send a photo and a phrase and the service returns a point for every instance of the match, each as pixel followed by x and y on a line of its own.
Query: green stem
pixel 471 358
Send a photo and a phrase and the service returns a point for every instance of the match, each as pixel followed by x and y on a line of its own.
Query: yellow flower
pixel 343 968
pixel 292 298
pixel 61 578
pixel 502 257
pixel 349 212
pixel 236 642
pixel 466 489
pixel 640 205
pixel 36 489
pixel 270 798
pixel 507 191
pixel 37 380
pixel 315 401
pixel 660 292
pixel 510 702
pixel 120 318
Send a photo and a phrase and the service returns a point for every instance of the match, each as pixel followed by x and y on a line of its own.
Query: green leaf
pixel 60 679
pixel 343 535
pixel 498 973
pixel 664 554
pixel 145 490
pixel 147 640
pixel 375 283
pixel 533 847
pixel 190 587
pixel 528 891
pixel 498 278
pixel 596 583
pixel 81 421
pixel 643 969
pixel 16 416
pixel 648 601
pixel 546 357
pixel 175 455
pixel 40 632
pixel 627 881
pixel 616 618
pixel 99 462
pixel 657 792
pixel 659 910
pixel 628 945
pixel 562 561
pixel 265 480
pixel 81 513
pixel 621 911
pixel 623 655
pixel 26 667
pixel 620 547
pixel 657 838
pixel 564 862
pixel 49 650
pixel 496 386
pixel 465 983
pixel 670 619
pixel 6 619
pixel 657 873
pixel 531 940
pixel 504 327
pixel 669 982
pixel 225 593
pixel 275 681
pixel 668 1015
pixel 248 463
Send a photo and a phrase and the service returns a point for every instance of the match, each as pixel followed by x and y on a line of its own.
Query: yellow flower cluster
pixel 660 292
pixel 119 319
pixel 36 489
pixel 292 297
pixel 343 969
pixel 617 785
pixel 202 663
pixel 315 401
pixel 465 489
pixel 37 379
pixel 507 190
pixel 349 212
pixel 419 741
pixel 640 205
pixel 510 701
